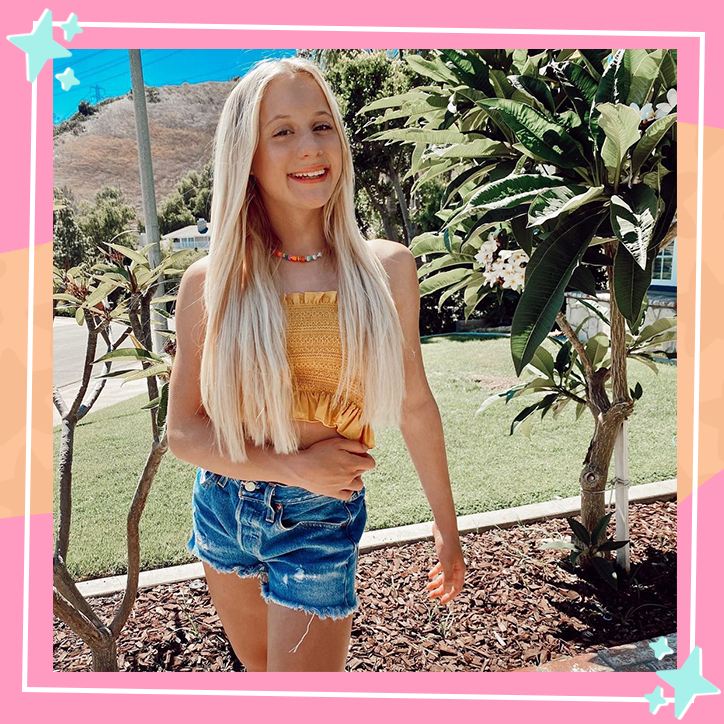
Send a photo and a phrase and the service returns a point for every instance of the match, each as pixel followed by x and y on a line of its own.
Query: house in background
pixel 195 236
pixel 661 297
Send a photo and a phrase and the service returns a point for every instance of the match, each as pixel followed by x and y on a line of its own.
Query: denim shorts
pixel 303 546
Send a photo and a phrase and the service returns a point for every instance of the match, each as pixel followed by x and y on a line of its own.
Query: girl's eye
pixel 320 127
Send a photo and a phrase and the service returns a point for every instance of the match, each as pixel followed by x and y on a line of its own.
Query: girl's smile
pixel 311 176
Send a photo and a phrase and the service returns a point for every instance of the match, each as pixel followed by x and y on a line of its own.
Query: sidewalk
pixel 114 391
pixel 629 657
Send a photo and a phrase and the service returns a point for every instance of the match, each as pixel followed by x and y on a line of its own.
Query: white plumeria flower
pixel 663 109
pixel 451 104
pixel 548 168
pixel 646 113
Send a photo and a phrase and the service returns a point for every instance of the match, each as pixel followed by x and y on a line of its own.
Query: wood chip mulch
pixel 520 606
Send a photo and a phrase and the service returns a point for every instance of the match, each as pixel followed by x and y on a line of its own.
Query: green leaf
pixel 656 328
pixel 393 101
pixel 579 530
pixel 131 352
pixel 536 89
pixel 621 126
pixel 606 571
pixel 469 175
pixel 543 295
pixel 644 72
pixel 153 403
pixel 596 348
pixel 162 406
pixel 633 220
pixel 616 80
pixel 150 371
pixel 428 243
pixel 99 294
pixel 558 544
pixel 543 360
pixel 80 315
pixel 422 135
pixel 539 134
pixel 645 359
pixel 668 196
pixel 631 282
pixel 549 204
pixel 583 280
pixel 442 280
pixel 470 69
pixel 600 527
pixel 653 134
pixel 479 148
pixel 523 233
pixel 612 545
pixel 523 417
pixel 164 299
pixel 67 298
pixel 513 191
pixel 130 253
pixel 435 69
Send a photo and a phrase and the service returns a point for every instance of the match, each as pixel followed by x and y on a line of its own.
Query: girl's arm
pixel 190 434
pixel 422 429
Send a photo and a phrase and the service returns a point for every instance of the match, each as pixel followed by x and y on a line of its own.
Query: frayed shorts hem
pixel 334 612
pixel 260 571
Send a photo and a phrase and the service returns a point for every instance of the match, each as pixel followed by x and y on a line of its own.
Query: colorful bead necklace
pixel 291 257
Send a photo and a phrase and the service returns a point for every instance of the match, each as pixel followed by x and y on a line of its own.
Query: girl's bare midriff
pixel 312 432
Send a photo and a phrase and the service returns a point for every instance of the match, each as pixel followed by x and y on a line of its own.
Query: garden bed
pixel 520 606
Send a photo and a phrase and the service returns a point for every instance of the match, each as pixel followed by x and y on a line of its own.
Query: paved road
pixel 69 346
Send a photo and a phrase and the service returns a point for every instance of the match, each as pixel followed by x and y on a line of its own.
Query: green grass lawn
pixel 489 469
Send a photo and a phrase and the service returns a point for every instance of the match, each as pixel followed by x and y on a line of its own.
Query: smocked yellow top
pixel 314 350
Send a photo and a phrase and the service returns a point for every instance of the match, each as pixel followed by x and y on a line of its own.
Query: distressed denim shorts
pixel 303 546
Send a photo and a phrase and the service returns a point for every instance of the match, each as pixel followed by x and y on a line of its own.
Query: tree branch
pixel 76 621
pixel 66 586
pixel 575 342
pixel 133 543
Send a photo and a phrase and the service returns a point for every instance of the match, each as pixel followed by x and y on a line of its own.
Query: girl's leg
pixel 299 641
pixel 243 614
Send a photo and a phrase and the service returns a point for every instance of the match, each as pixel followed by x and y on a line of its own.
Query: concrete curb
pixel 372 540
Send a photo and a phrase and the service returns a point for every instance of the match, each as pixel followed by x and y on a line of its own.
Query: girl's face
pixel 297 135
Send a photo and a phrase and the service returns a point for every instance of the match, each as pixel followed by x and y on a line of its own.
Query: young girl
pixel 295 336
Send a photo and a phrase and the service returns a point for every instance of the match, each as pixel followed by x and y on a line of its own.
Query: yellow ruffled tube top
pixel 314 350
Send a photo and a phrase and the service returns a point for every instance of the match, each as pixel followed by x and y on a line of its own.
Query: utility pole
pixel 148 190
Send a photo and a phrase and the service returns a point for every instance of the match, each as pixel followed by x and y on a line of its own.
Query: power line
pixel 126 73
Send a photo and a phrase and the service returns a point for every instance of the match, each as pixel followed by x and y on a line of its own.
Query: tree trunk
pixel 385 216
pixel 608 415
pixel 105 657
pixel 410 231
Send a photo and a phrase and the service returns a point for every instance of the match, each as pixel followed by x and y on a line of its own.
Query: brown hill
pixel 100 150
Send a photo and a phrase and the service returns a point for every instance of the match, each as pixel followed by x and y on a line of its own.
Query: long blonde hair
pixel 246 383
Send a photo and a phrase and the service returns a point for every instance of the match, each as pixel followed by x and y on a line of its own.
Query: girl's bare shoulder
pixel 399 263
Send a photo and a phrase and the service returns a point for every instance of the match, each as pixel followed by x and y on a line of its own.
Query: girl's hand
pixel 449 573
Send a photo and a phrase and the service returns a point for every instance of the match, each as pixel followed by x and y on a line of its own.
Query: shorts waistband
pixel 262 489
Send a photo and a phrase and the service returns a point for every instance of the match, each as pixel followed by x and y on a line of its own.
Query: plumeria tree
pixel 561 168
pixel 86 290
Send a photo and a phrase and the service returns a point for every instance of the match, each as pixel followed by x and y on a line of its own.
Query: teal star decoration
pixel 655 700
pixel 71 27
pixel 688 682
pixel 661 648
pixel 67 79
pixel 39 45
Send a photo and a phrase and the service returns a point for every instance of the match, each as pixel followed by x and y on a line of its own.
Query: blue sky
pixel 106 74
